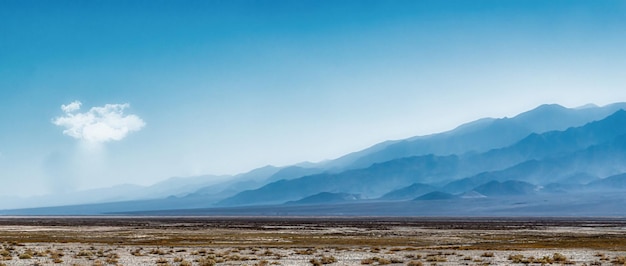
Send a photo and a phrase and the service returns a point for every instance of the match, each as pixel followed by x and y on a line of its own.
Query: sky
pixel 99 93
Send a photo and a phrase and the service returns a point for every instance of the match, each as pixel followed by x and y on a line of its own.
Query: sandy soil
pixel 306 241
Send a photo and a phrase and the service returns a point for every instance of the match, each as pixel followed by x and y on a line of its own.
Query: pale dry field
pixel 310 241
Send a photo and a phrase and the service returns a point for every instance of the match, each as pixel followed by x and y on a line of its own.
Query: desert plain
pixel 106 240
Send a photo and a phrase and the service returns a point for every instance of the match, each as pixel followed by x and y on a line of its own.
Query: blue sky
pixel 227 86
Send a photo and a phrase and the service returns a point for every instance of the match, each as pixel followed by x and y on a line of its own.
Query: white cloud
pixel 99 124
pixel 74 106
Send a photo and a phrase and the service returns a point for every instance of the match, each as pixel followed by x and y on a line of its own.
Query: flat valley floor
pixel 311 241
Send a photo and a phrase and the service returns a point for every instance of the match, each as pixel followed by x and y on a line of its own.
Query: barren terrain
pixel 310 241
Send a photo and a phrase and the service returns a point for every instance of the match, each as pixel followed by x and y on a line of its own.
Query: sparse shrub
pixel 25 256
pixel 517 258
pixel 415 263
pixel 236 258
pixel 380 261
pixel 56 255
pixel 268 253
pixel 328 259
pixel 487 255
pixel 315 262
pixel 5 254
pixel 262 263
pixel 383 261
pixel 308 251
pixel 368 261
pixel 205 262
pixel 158 252
pixel 136 252
pixel 544 260
pixel 436 258
pixel 619 260
pixel 558 257
pixel 111 260
pixel 162 261
pixel 84 253
pixel 185 263
pixel 323 260
pixel 396 260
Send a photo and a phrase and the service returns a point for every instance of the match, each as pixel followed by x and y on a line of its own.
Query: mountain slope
pixel 615 182
pixel 559 154
pixel 410 192
pixel 326 198
pixel 506 188
pixel 479 136
pixel 370 182
pixel 605 159
pixel 436 195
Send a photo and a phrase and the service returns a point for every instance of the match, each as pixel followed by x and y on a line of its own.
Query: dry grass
pixel 181 244
pixel 487 240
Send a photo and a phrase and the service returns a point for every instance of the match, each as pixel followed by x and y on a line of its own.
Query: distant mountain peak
pixel 552 106
pixel 586 106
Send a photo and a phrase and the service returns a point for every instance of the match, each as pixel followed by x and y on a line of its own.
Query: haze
pixel 101 93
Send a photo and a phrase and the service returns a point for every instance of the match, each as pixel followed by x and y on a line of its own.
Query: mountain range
pixel 545 153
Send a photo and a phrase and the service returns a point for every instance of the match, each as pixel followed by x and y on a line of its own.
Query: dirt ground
pixel 310 241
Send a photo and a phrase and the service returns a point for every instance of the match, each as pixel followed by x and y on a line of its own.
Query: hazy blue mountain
pixel 436 195
pixel 562 188
pixel 327 198
pixel 559 154
pixel 478 136
pixel 240 182
pixel 410 192
pixel 292 172
pixel 256 178
pixel 371 182
pixel 553 143
pixel 506 188
pixel 251 180
pixel 601 160
pixel 584 152
pixel 611 183
pixel 177 186
pixel 572 183
pixel 471 195
pixel 578 178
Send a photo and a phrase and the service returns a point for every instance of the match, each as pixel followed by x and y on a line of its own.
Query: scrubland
pixel 311 241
